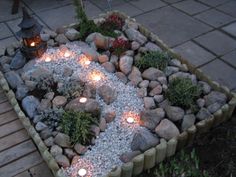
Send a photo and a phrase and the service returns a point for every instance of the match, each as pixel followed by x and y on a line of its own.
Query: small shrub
pixel 153 59
pixel 51 117
pixel 119 46
pixel 71 88
pixel 113 22
pixel 184 165
pixel 45 82
pixel 182 92
pixel 77 126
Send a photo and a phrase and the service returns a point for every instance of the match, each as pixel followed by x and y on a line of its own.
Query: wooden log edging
pixel 156 154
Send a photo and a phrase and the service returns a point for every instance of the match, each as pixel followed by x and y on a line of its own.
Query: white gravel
pixel 116 139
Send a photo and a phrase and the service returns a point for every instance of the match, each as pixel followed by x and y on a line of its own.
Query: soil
pixel 216 151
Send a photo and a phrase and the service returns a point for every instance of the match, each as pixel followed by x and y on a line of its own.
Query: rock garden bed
pixel 99 101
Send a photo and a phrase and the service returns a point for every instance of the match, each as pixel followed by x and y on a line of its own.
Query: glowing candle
pixel 82 172
pixel 47 59
pixel 66 54
pixel 84 61
pixel 130 120
pixel 96 77
pixel 32 44
pixel 83 100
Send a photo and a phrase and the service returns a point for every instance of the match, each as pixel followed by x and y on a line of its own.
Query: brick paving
pixel 203 31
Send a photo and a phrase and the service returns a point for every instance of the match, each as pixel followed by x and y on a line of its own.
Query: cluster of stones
pixel 159 117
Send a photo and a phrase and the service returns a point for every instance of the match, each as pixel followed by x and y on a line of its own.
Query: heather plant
pixel 182 92
pixel 154 59
pixel 119 46
pixel 77 126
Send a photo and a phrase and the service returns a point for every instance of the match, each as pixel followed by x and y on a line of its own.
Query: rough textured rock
pixel 206 88
pixel 102 124
pixel 135 76
pixel 107 93
pixel 150 118
pixel 152 47
pixel 62 160
pixel 122 77
pixel 18 61
pixel 49 142
pixel 103 58
pixel 59 101
pixel 109 114
pixel 135 45
pixel 40 126
pixel 174 113
pixel 69 153
pixel 215 97
pixel 56 150
pixel 13 79
pixel 169 70
pixel 203 114
pixel 156 91
pixel 142 92
pixel 125 64
pixel 109 67
pixel 188 121
pixel 72 34
pixel 100 41
pixel 61 39
pixel 30 104
pixel 144 84
pixel 158 98
pixel 135 35
pixel 143 140
pixel 80 149
pixel 62 140
pixel 152 74
pixel 46 133
pixel 149 102
pixel 153 84
pixel 166 129
pixel 21 92
pixel 214 107
pixel 128 156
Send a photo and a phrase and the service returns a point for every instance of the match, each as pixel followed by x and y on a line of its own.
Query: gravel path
pixel 116 139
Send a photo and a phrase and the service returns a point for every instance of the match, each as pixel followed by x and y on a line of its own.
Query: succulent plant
pixel 119 46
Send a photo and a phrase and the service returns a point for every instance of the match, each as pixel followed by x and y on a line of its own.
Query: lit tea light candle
pixel 130 120
pixel 82 172
pixel 83 100
pixel 96 77
pixel 48 59
pixel 67 54
pixel 84 60
pixel 32 44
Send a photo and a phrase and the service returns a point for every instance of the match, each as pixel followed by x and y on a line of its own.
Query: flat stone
pixel 149 102
pixel 217 42
pixel 183 26
pixel 62 140
pixel 209 17
pixel 152 74
pixel 191 7
pixel 62 160
pixel 13 79
pixel 230 57
pixel 174 113
pixel 203 114
pixel 228 8
pixel 166 129
pixel 188 121
pixel 215 69
pixel 193 53
pixel 30 104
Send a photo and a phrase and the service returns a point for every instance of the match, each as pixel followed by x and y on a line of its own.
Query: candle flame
pixel 82 172
pixel 67 54
pixel 47 59
pixel 84 60
pixel 130 120
pixel 83 100
pixel 96 76
pixel 32 44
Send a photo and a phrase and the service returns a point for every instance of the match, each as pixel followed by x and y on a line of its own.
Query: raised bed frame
pixel 155 155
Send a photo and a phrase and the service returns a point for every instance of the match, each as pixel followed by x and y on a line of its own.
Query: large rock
pixel 214 107
pixel 150 118
pixel 125 64
pixel 18 61
pixel 203 114
pixel 122 77
pixel 170 70
pixel 152 47
pixel 13 79
pixel 135 35
pixel 143 140
pixel 174 113
pixel 109 114
pixel 62 140
pixel 62 161
pixel 30 104
pixel 128 156
pixel 166 129
pixel 87 50
pixel 156 91
pixel 100 41
pixel 135 76
pixel 56 150
pixel 40 126
pixel 21 92
pixel 61 39
pixel 107 93
pixel 152 74
pixel 59 101
pixel 44 104
pixel 109 67
pixel 206 88
pixel 149 102
pixel 80 149
pixel 188 121
pixel 214 97
pixel 72 34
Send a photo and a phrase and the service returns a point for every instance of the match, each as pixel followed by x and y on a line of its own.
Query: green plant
pixel 154 59
pixel 184 165
pixel 45 82
pixel 119 46
pixel 70 88
pixel 77 126
pixel 182 92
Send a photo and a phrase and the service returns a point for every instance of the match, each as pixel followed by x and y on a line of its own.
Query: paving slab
pixel 213 3
pixel 215 18
pixel 102 4
pixel 5 10
pixel 91 9
pixel 4 31
pixel 229 8
pixel 7 41
pixel 191 7
pixel 172 1
pixel 143 5
pixel 230 58
pixel 231 29
pixel 217 42
pixel 172 26
pixel 128 9
pixel 194 54
pixel 221 72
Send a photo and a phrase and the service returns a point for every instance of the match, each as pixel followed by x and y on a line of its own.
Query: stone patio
pixel 202 31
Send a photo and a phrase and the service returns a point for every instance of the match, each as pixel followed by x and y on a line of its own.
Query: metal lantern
pixel 32 45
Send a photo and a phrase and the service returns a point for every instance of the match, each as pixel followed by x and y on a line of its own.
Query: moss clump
pixel 182 92
pixel 154 59
pixel 77 126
